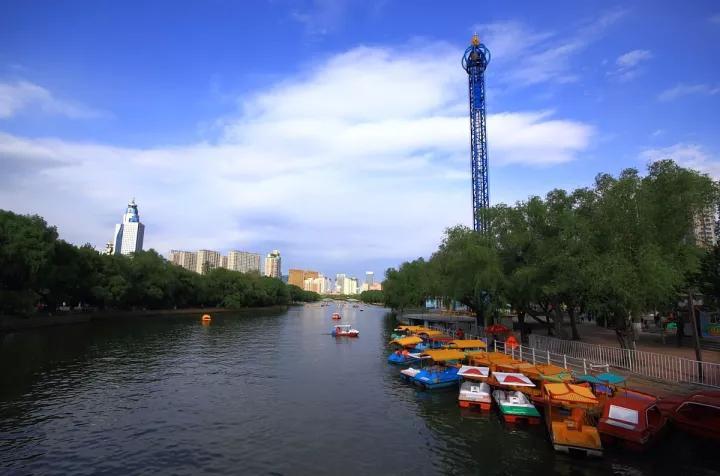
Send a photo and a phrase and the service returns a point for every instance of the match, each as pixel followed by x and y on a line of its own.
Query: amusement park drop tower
pixel 474 61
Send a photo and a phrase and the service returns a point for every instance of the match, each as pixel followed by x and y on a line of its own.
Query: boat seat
pixel 575 422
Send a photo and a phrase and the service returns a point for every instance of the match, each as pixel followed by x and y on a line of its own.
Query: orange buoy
pixel 206 318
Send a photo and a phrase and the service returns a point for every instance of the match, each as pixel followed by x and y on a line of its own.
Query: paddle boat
pixel 513 404
pixel 404 331
pixel 409 373
pixel 467 345
pixel 443 374
pixel 697 414
pixel 336 316
pixel 570 428
pixel 344 330
pixel 538 374
pixel 630 422
pixel 403 356
pixel 474 391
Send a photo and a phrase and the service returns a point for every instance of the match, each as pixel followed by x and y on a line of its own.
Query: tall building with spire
pixel 130 232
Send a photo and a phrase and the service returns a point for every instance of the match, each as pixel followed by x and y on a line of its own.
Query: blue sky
pixel 336 131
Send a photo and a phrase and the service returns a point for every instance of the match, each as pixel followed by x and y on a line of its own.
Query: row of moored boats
pixel 582 412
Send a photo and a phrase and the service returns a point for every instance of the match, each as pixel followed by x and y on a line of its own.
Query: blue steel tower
pixel 474 61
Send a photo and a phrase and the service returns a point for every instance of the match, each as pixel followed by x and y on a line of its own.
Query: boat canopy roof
pixel 605 378
pixel 442 355
pixel 411 328
pixel 467 344
pixel 343 326
pixel 569 393
pixel 470 371
pixel 430 332
pixel 513 379
pixel 407 341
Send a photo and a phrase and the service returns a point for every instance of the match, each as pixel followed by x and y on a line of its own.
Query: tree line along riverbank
pixel 624 247
pixel 39 272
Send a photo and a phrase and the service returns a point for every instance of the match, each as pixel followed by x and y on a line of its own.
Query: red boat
pixel 336 316
pixel 634 423
pixel 697 414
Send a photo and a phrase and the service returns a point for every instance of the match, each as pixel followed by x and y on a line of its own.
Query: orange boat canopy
pixel 442 355
pixel 430 333
pixel 569 393
pixel 407 341
pixel 411 328
pixel 467 344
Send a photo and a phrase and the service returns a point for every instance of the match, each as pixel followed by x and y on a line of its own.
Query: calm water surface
pixel 272 394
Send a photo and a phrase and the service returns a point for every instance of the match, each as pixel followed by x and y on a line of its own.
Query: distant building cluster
pixel 202 261
pixel 129 235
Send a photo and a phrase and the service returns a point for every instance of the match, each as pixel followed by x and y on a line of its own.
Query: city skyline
pixel 352 153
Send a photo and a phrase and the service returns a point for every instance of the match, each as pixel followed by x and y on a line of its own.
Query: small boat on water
pixel 344 330
pixel 697 414
pixel 633 423
pixel 336 316
pixel 403 356
pixel 475 394
pixel 570 427
pixel 513 404
pixel 474 391
pixel 444 374
pixel 516 406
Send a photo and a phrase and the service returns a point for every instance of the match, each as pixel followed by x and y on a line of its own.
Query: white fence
pixel 535 356
pixel 649 364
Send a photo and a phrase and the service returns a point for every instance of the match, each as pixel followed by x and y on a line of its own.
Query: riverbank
pixel 16 324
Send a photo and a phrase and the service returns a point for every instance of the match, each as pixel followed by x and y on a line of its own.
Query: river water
pixel 258 394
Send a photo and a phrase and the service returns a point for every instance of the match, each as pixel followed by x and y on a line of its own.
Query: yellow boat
pixel 571 430
pixel 467 344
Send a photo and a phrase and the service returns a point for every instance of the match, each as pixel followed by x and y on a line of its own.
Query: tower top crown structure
pixel 131 213
pixel 477 55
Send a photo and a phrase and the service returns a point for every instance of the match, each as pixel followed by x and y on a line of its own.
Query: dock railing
pixel 648 364
pixel 535 356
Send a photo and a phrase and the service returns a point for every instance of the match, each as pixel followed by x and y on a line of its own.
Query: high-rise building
pixel 704 228
pixel 130 232
pixel 207 260
pixel 340 283
pixel 318 284
pixel 243 261
pixel 297 277
pixel 186 259
pixel 369 280
pixel 273 264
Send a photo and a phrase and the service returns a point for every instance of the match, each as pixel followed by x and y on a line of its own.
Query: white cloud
pixel 715 19
pixel 688 90
pixel 23 95
pixel 522 56
pixel 364 156
pixel 628 65
pixel 688 155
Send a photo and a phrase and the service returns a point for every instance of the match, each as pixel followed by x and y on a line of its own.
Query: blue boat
pixel 403 358
pixel 444 375
pixel 437 377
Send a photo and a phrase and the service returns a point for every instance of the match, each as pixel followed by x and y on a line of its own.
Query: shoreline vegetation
pixel 614 252
pixel 41 274
pixel 15 323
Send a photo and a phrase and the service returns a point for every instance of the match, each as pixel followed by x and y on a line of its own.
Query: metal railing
pixel 534 356
pixel 649 364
